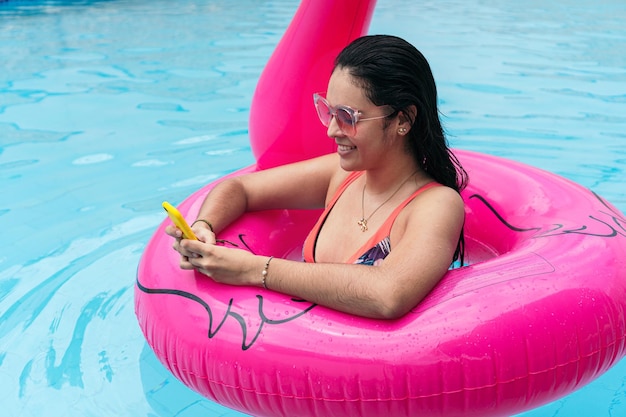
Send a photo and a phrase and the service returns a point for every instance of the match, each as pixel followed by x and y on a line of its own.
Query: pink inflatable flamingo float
pixel 539 313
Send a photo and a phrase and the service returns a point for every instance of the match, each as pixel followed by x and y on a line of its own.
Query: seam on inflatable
pixel 466 389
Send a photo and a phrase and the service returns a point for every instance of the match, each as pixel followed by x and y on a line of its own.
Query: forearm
pixel 225 203
pixel 356 289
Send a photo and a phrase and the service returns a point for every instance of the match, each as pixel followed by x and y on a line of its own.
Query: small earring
pixel 402 130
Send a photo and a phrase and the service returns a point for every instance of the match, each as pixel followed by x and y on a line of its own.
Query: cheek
pixel 372 148
pixel 374 139
pixel 385 139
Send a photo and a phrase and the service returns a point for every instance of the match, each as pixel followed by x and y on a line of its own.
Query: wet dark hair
pixel 393 73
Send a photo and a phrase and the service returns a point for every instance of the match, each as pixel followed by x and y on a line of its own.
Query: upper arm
pixel 301 185
pixel 423 244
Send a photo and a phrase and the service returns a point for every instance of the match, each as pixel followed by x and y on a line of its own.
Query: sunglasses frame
pixel 353 114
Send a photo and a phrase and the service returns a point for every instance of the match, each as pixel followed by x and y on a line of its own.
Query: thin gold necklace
pixel 363 222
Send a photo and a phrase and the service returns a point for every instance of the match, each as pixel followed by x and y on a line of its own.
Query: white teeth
pixel 345 148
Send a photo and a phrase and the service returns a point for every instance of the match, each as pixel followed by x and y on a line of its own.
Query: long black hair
pixel 394 73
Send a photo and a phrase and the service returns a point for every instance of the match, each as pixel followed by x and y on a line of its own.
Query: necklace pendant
pixel 363 224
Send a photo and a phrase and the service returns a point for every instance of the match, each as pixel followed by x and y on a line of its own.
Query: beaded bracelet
pixel 204 221
pixel 264 273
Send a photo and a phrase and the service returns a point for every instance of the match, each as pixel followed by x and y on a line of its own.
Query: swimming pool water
pixel 109 107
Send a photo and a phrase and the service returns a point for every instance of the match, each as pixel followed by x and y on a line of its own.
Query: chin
pixel 349 165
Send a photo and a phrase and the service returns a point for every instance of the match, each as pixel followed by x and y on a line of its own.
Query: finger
pixel 196 261
pixel 185 264
pixel 182 250
pixel 193 248
pixel 205 235
pixel 203 271
pixel 173 231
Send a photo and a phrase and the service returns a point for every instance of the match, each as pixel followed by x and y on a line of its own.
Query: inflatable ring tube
pixel 538 314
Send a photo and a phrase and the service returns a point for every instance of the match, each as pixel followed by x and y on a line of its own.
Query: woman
pixel 390 193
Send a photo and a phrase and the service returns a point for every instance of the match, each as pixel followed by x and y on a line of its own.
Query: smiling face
pixel 373 138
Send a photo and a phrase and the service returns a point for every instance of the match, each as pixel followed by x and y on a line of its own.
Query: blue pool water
pixel 109 107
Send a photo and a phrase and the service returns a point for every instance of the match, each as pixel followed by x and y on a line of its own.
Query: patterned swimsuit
pixel 378 245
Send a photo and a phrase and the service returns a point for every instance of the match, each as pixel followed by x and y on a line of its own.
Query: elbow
pixel 395 307
pixel 398 297
pixel 393 313
pixel 399 301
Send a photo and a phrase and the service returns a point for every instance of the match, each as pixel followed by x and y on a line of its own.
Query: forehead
pixel 344 89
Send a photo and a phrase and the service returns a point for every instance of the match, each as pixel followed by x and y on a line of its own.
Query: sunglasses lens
pixel 345 121
pixel 323 111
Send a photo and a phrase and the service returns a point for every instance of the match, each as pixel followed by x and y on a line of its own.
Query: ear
pixel 406 119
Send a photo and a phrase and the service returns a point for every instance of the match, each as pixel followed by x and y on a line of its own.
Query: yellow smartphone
pixel 179 221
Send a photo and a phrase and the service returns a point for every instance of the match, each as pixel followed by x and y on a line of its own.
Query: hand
pixel 226 265
pixel 203 233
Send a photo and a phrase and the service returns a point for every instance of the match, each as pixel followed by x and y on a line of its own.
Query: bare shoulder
pixel 437 213
pixel 441 198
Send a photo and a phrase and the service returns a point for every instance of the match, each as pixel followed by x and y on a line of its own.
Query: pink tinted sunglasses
pixel 346 117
